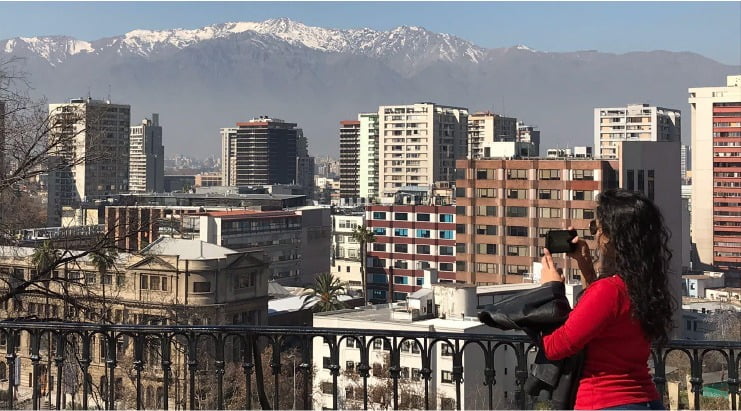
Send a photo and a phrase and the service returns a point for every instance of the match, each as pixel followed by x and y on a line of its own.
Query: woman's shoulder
pixel 607 285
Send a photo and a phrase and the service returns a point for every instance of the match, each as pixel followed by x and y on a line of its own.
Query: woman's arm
pixel 596 308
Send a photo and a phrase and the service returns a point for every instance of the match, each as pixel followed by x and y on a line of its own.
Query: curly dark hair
pixel 640 256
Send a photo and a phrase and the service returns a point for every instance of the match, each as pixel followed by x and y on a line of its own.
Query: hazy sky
pixel 712 29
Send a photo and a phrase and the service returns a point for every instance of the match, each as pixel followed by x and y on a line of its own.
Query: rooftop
pixel 187 249
pixel 383 314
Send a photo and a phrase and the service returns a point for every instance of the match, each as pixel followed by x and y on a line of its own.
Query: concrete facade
pixel 147 157
pixel 635 122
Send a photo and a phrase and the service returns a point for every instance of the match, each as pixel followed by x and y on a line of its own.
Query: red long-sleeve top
pixel 616 364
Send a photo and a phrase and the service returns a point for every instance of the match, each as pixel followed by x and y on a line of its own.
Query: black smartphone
pixel 559 241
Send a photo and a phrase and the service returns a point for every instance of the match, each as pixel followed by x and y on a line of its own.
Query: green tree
pixel 45 257
pixel 325 291
pixel 363 236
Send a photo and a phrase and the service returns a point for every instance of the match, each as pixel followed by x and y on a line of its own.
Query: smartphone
pixel 559 241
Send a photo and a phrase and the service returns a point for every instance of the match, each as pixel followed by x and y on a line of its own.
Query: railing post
pixel 35 336
pixel 139 342
pixel 334 368
pixel 166 364
pixel 394 370
pixel 364 369
pixel 11 358
pixel 192 368
pixel 489 373
pixel 275 366
pixel 111 363
pixel 306 368
pixel 660 372
pixel 59 361
pixel 521 375
pixel 247 366
pixel 84 365
pixel 426 372
pixel 457 373
pixel 733 378
pixel 696 378
pixel 219 363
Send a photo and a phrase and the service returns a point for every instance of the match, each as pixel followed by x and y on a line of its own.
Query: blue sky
pixel 712 29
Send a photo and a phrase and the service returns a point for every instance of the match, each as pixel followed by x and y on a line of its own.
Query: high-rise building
pixel 147 157
pixel 418 145
pixel 305 165
pixel 487 128
pixel 716 173
pixel 350 159
pixel 368 158
pixel 259 152
pixel 635 122
pixel 529 134
pixel 685 162
pixel 95 145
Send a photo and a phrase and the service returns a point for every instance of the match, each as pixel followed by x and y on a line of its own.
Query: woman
pixel 623 310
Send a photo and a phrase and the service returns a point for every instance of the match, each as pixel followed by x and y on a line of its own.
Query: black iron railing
pixel 108 366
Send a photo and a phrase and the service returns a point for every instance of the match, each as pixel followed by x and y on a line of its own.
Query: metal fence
pixel 60 359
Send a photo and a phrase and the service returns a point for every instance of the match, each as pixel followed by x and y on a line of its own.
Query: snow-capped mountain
pixel 410 43
pixel 200 80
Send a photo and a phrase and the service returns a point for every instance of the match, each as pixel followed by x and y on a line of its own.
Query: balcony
pixel 245 367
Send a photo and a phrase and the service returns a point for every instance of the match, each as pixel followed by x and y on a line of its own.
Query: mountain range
pixel 203 79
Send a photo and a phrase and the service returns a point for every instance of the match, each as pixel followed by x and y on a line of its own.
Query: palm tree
pixel 325 291
pixel 104 259
pixel 45 258
pixel 364 236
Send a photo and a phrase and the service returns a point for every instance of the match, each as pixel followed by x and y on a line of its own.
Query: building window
pixel 641 182
pixel 446 377
pixel 446 218
pixel 379 247
pixel 486 211
pixel 631 179
pixel 517 231
pixel 460 192
pixel 518 250
pixel 379 231
pixel 513 269
pixel 326 362
pixel 514 211
pixel 401 232
pixel 460 210
pixel 483 248
pixel 202 287
pixel 446 350
pixel 400 216
pixel 400 248
pixel 446 250
pixel 486 193
pixel 487 268
pixel 460 248
pixel 423 233
pixel 582 175
pixel 400 279
pixel 516 174
pixel 446 267
pixel 650 183
pixel 486 174
pixel 549 174
pixel 583 195
pixel 423 249
pixel 486 229
pixel 447 234
pixel 517 194
pixel 582 213
pixel 423 217
pixel 549 194
pixel 549 212
pixel 379 215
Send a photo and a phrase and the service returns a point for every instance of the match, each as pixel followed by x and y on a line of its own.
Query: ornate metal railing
pixel 60 361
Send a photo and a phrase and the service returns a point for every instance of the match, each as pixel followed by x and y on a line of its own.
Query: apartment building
pixel 486 128
pixel 418 145
pixel 505 207
pixel 147 157
pixel 350 159
pixel 529 134
pixel 685 163
pixel 634 122
pixel 173 281
pixel 368 157
pixel 410 238
pixel 98 133
pixel 208 180
pixel 412 315
pixel 259 152
pixel 716 174
pixel 345 250
pixel 296 242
